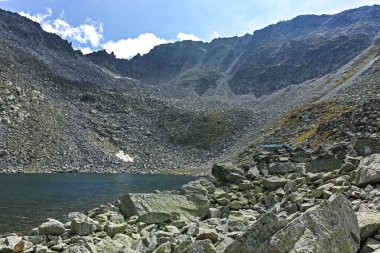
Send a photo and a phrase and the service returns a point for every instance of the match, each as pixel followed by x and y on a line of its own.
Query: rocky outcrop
pixel 329 227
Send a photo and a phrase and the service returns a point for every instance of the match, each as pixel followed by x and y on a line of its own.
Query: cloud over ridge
pixel 88 36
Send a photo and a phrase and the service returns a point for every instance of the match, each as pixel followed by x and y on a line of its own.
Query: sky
pixel 130 27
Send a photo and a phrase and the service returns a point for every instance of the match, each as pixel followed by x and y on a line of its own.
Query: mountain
pixel 273 58
pixel 184 105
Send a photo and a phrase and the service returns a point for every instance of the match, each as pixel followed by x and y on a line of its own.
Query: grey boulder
pixel 329 227
pixel 368 170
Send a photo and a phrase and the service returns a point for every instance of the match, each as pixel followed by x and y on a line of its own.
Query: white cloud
pixel 89 33
pixel 184 36
pixel 86 50
pixel 127 48
pixel 37 17
pixel 88 36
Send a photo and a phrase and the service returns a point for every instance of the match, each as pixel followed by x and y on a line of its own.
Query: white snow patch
pixel 124 157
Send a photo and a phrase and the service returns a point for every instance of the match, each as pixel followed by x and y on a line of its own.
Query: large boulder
pixel 200 186
pixel 228 173
pixel 329 227
pixel 324 163
pixel 51 227
pixel 365 146
pixel 368 170
pixel 159 208
pixel 284 168
pixel 82 227
pixel 369 224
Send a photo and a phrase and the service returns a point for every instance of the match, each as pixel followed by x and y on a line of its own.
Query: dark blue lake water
pixel 26 200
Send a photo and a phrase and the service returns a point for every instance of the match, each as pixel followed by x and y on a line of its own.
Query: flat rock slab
pixel 324 164
pixel 159 208
pixel 329 227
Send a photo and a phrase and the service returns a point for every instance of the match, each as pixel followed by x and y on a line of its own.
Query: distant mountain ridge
pixel 273 58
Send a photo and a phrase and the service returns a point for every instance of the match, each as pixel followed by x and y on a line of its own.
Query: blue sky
pixel 128 27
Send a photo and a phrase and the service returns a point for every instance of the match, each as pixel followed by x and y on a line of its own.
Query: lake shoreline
pixel 186 172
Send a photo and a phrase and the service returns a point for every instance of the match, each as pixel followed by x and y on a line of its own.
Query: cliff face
pixel 275 57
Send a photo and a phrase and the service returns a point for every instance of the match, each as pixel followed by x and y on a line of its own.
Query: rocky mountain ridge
pixel 289 52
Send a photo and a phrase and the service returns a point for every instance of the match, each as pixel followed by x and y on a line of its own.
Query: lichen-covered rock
pixel 51 227
pixel 203 246
pixel 107 245
pixel 329 227
pixel 114 228
pixel 256 235
pixel 77 248
pixel 369 224
pixel 368 170
pixel 227 172
pixel 284 168
pixel 82 227
pixel 164 248
pixel 158 208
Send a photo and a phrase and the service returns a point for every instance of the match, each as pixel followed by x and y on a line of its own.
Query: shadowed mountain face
pixel 286 53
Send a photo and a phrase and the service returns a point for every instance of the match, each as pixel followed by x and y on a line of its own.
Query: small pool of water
pixel 26 200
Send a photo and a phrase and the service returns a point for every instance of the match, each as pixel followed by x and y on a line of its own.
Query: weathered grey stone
pixel 82 227
pixel 224 243
pixel 253 173
pixel 227 172
pixel 329 227
pixel 158 208
pixel 193 187
pixel 77 248
pixel 368 170
pixel 365 146
pixel 52 227
pixel 256 235
pixel 107 245
pixel 164 248
pixel 284 168
pixel 324 163
pixel 204 246
pixel 114 228
pixel 369 224
pixel 274 183
pixel 210 234
pixel 77 215
pixel 370 246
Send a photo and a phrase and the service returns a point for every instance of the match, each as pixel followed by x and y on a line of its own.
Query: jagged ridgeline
pixel 184 105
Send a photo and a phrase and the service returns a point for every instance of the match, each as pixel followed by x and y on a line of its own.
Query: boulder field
pixel 324 202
